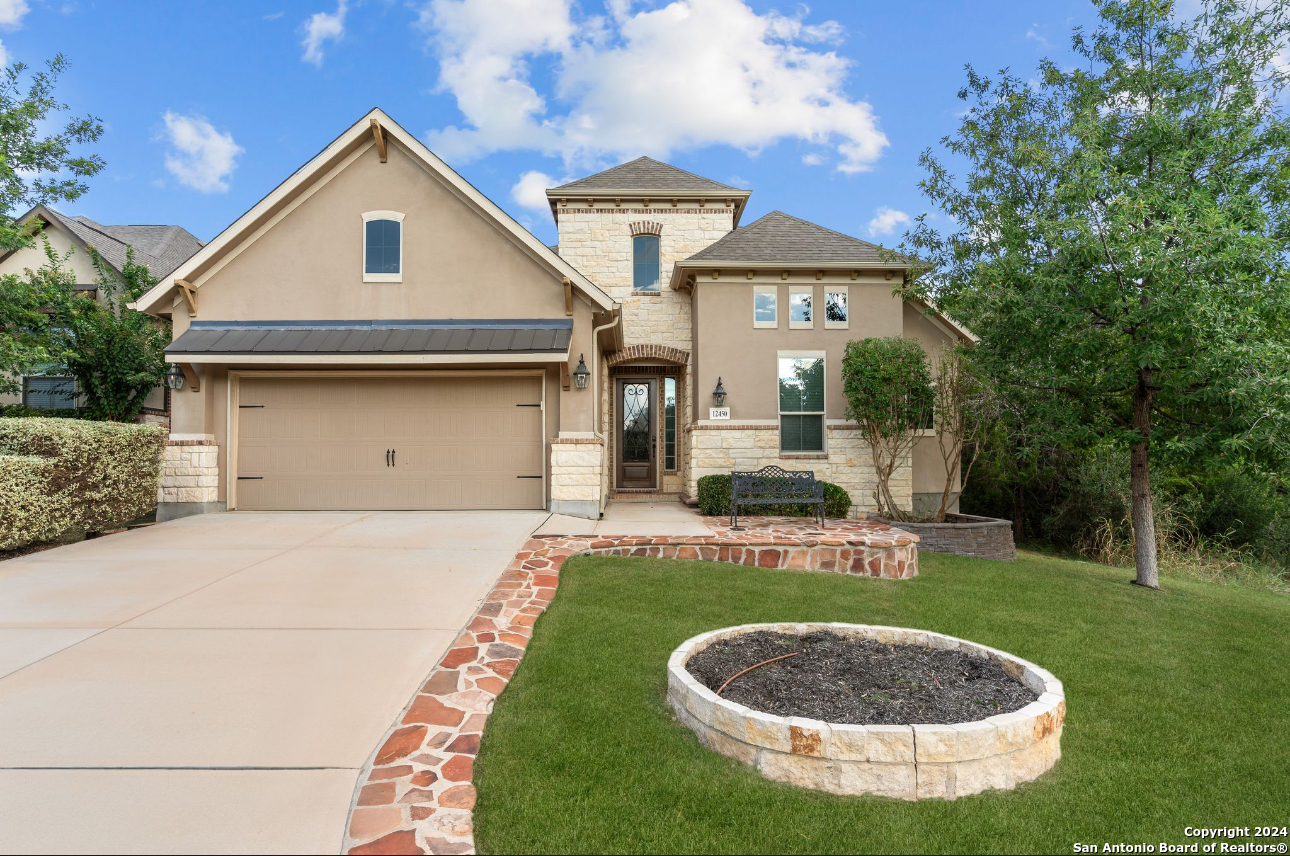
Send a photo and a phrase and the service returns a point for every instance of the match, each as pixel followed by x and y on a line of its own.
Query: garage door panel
pixel 320 443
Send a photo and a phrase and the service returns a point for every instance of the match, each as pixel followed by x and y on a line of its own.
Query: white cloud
pixel 885 220
pixel 200 156
pixel 322 27
pixel 1034 35
pixel 690 74
pixel 12 12
pixel 813 159
pixel 530 190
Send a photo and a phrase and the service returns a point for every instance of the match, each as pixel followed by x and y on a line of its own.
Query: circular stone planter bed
pixel 863 709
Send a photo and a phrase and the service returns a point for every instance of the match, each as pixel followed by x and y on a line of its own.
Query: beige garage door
pixel 390 443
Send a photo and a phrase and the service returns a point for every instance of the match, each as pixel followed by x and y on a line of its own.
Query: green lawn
pixel 1178 705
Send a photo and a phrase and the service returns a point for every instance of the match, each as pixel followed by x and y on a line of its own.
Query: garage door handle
pixel 387 457
pixel 393 454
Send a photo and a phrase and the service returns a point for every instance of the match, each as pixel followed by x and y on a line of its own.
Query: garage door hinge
pixel 528 405
pixel 248 406
pixel 249 478
pixel 528 477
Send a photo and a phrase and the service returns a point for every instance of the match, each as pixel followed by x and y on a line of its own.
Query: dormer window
pixel 382 246
pixel 645 263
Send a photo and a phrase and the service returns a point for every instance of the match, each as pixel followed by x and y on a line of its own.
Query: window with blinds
pixel 801 404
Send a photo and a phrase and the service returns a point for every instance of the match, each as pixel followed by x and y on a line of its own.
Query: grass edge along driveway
pixel 1177 712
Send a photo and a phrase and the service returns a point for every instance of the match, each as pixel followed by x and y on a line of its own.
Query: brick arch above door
pixel 676 356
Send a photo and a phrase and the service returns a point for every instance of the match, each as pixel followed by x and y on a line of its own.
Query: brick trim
pixel 563 441
pixel 646 227
pixel 648 352
pixel 192 443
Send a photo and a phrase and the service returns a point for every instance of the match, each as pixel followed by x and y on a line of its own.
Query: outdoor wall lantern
pixel 175 377
pixel 719 395
pixel 580 374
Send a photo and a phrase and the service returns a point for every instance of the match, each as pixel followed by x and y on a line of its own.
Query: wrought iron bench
pixel 772 485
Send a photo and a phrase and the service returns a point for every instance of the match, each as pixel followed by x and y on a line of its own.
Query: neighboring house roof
pixel 160 248
pixel 781 239
pixel 646 174
pixel 357 138
pixel 424 337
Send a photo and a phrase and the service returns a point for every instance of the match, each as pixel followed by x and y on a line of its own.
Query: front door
pixel 636 434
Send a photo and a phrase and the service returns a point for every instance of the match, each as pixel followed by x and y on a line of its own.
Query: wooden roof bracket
pixel 191 377
pixel 378 134
pixel 564 376
pixel 568 296
pixel 189 291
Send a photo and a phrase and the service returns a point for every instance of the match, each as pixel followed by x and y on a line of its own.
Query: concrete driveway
pixel 214 684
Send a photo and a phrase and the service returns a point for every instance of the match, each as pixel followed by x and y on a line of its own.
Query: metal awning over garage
pixel 490 340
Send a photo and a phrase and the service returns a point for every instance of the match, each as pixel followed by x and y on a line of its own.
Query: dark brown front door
pixel 636 434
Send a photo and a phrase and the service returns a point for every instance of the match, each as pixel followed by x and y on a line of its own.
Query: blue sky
pixel 822 110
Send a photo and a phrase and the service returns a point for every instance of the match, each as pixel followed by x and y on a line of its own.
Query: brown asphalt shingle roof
pixel 779 238
pixel 647 174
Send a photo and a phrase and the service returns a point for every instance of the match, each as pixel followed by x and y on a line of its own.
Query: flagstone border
pixel 416 794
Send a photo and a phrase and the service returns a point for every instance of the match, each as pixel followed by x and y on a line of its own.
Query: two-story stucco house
pixel 377 334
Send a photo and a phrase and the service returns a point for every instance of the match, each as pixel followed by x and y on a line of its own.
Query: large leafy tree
pixel 38 166
pixel 1124 225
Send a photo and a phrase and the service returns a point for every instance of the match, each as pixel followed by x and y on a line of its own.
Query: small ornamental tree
pixel 116 354
pixel 889 393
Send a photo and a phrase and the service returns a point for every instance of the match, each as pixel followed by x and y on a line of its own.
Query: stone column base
pixel 577 475
pixel 189 472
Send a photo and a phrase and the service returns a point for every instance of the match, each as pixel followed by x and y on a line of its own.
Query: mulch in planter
pixel 836 678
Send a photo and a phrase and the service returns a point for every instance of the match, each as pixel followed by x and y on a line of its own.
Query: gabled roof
pixel 781 239
pixel 646 174
pixel 160 248
pixel 354 140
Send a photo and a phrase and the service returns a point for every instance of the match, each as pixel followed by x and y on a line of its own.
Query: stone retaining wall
pixel 909 762
pixel 966 535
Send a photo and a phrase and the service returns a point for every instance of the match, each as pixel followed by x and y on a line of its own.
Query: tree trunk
pixel 1144 521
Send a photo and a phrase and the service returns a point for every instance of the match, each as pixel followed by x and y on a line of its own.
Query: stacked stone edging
pixel 416 793
pixel 909 762
pixel 965 535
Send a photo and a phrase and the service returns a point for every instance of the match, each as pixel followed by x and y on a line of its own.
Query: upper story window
pixel 765 305
pixel 835 308
pixel 645 263
pixel 382 246
pixel 800 299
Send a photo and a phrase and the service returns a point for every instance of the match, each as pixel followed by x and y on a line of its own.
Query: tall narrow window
pixel 382 246
pixel 765 306
pixel 801 404
pixel 669 424
pixel 800 307
pixel 645 263
pixel 835 308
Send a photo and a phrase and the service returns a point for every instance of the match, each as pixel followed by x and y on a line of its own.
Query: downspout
pixel 595 391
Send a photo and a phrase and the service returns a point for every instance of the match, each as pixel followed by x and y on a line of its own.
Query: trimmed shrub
pixel 22 411
pixel 61 478
pixel 714 500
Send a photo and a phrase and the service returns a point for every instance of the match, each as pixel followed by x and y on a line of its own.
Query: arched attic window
pixel 382 246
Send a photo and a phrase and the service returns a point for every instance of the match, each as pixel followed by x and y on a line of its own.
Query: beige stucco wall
pixel 598 242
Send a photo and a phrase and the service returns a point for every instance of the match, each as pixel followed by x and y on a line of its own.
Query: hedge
pixel 62 478
pixel 714 500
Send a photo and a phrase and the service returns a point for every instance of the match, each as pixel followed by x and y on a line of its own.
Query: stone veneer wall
pixel 716 449
pixel 598 242
pixel 966 535
pixel 909 762
pixel 577 476
pixel 190 472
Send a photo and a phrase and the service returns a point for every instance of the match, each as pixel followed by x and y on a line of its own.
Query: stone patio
pixel 417 793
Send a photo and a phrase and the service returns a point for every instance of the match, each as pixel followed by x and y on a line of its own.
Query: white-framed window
pixel 766 306
pixel 801 309
pixel 837 312
pixel 645 263
pixel 801 401
pixel 382 246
